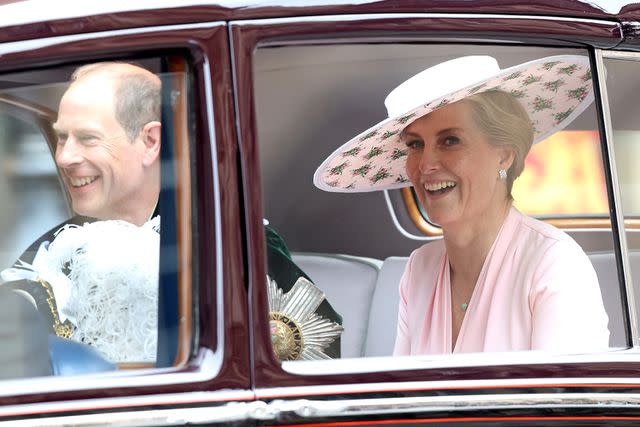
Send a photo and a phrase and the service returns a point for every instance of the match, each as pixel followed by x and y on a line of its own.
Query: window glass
pixel 354 246
pixel 621 88
pixel 563 177
pixel 31 189
pixel 87 172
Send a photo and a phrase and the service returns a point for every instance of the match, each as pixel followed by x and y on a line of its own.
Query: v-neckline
pixel 446 280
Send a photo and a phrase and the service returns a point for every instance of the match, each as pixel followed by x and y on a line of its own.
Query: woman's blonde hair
pixel 506 123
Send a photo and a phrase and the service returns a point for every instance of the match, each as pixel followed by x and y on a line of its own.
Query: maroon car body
pixel 231 375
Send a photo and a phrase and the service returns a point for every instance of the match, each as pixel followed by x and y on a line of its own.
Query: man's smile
pixel 81 181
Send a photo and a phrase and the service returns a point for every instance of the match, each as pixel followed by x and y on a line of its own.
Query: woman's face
pixel 453 168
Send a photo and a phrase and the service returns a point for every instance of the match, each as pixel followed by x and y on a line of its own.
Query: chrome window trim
pixel 308 410
pixel 399 227
pixel 126 402
pixel 208 365
pixel 381 16
pixel 461 385
pixel 226 413
pixel 208 362
pixel 388 364
pixel 613 54
pixel 617 211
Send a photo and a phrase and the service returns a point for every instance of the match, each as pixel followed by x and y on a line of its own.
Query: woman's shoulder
pixel 546 239
pixel 535 229
pixel 422 267
pixel 427 256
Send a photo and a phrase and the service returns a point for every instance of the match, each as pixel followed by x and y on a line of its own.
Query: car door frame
pixel 372 393
pixel 217 370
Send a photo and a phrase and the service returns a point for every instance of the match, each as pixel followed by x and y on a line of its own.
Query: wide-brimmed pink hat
pixel 553 90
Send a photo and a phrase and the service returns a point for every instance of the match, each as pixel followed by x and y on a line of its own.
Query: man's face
pixel 102 170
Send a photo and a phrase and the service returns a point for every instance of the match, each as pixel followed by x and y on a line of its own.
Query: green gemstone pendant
pixel 464 306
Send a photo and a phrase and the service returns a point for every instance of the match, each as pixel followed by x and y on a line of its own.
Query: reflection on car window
pixel 622 88
pixel 563 177
pixel 352 249
pixel 82 241
pixel 31 189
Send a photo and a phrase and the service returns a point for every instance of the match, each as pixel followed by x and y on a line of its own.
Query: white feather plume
pixel 105 279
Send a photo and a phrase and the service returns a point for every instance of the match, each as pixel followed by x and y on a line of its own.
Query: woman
pixel 498 280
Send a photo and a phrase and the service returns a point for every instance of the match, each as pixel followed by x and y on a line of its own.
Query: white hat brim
pixel 553 90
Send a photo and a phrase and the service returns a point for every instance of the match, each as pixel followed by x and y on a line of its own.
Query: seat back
pixel 383 314
pixel 605 266
pixel 365 292
pixel 348 283
pixel 384 308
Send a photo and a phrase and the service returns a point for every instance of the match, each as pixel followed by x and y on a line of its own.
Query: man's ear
pixel 150 136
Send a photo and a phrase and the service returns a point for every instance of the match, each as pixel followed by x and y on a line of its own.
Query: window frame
pixel 214 355
pixel 247 36
pixel 619 223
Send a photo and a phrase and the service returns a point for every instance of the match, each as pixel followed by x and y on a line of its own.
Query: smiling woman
pixel 498 280
pixel 494 283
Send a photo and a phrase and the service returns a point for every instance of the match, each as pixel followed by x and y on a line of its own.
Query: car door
pixel 198 370
pixel 305 85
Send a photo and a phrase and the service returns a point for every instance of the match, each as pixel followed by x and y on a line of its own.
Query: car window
pixel 355 247
pixel 92 160
pixel 621 86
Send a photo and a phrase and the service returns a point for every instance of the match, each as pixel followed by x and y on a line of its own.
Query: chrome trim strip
pixel 230 412
pixel 399 226
pixel 380 16
pixel 448 361
pixel 462 385
pixel 317 409
pixel 617 54
pixel 622 235
pixel 213 399
pixel 428 404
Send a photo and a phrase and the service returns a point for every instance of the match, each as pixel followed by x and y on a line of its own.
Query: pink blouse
pixel 537 290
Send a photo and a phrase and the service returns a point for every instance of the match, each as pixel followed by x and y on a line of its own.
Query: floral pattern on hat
pixel 553 91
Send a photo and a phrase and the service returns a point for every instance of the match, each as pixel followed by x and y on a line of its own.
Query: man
pixel 108 146
pixel 108 154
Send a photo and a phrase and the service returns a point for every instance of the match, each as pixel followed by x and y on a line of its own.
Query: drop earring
pixel 502 174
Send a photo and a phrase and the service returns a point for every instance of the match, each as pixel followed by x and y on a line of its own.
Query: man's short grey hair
pixel 137 94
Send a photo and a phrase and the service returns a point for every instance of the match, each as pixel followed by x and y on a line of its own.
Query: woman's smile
pixel 437 188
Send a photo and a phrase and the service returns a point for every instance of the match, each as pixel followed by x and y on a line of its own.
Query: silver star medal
pixel 297 332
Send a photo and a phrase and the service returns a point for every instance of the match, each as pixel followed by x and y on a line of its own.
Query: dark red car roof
pixel 22 20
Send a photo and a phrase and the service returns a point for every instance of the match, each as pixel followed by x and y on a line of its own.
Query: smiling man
pixel 108 155
pixel 108 145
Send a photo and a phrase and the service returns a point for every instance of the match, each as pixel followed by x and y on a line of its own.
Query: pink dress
pixel 537 290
